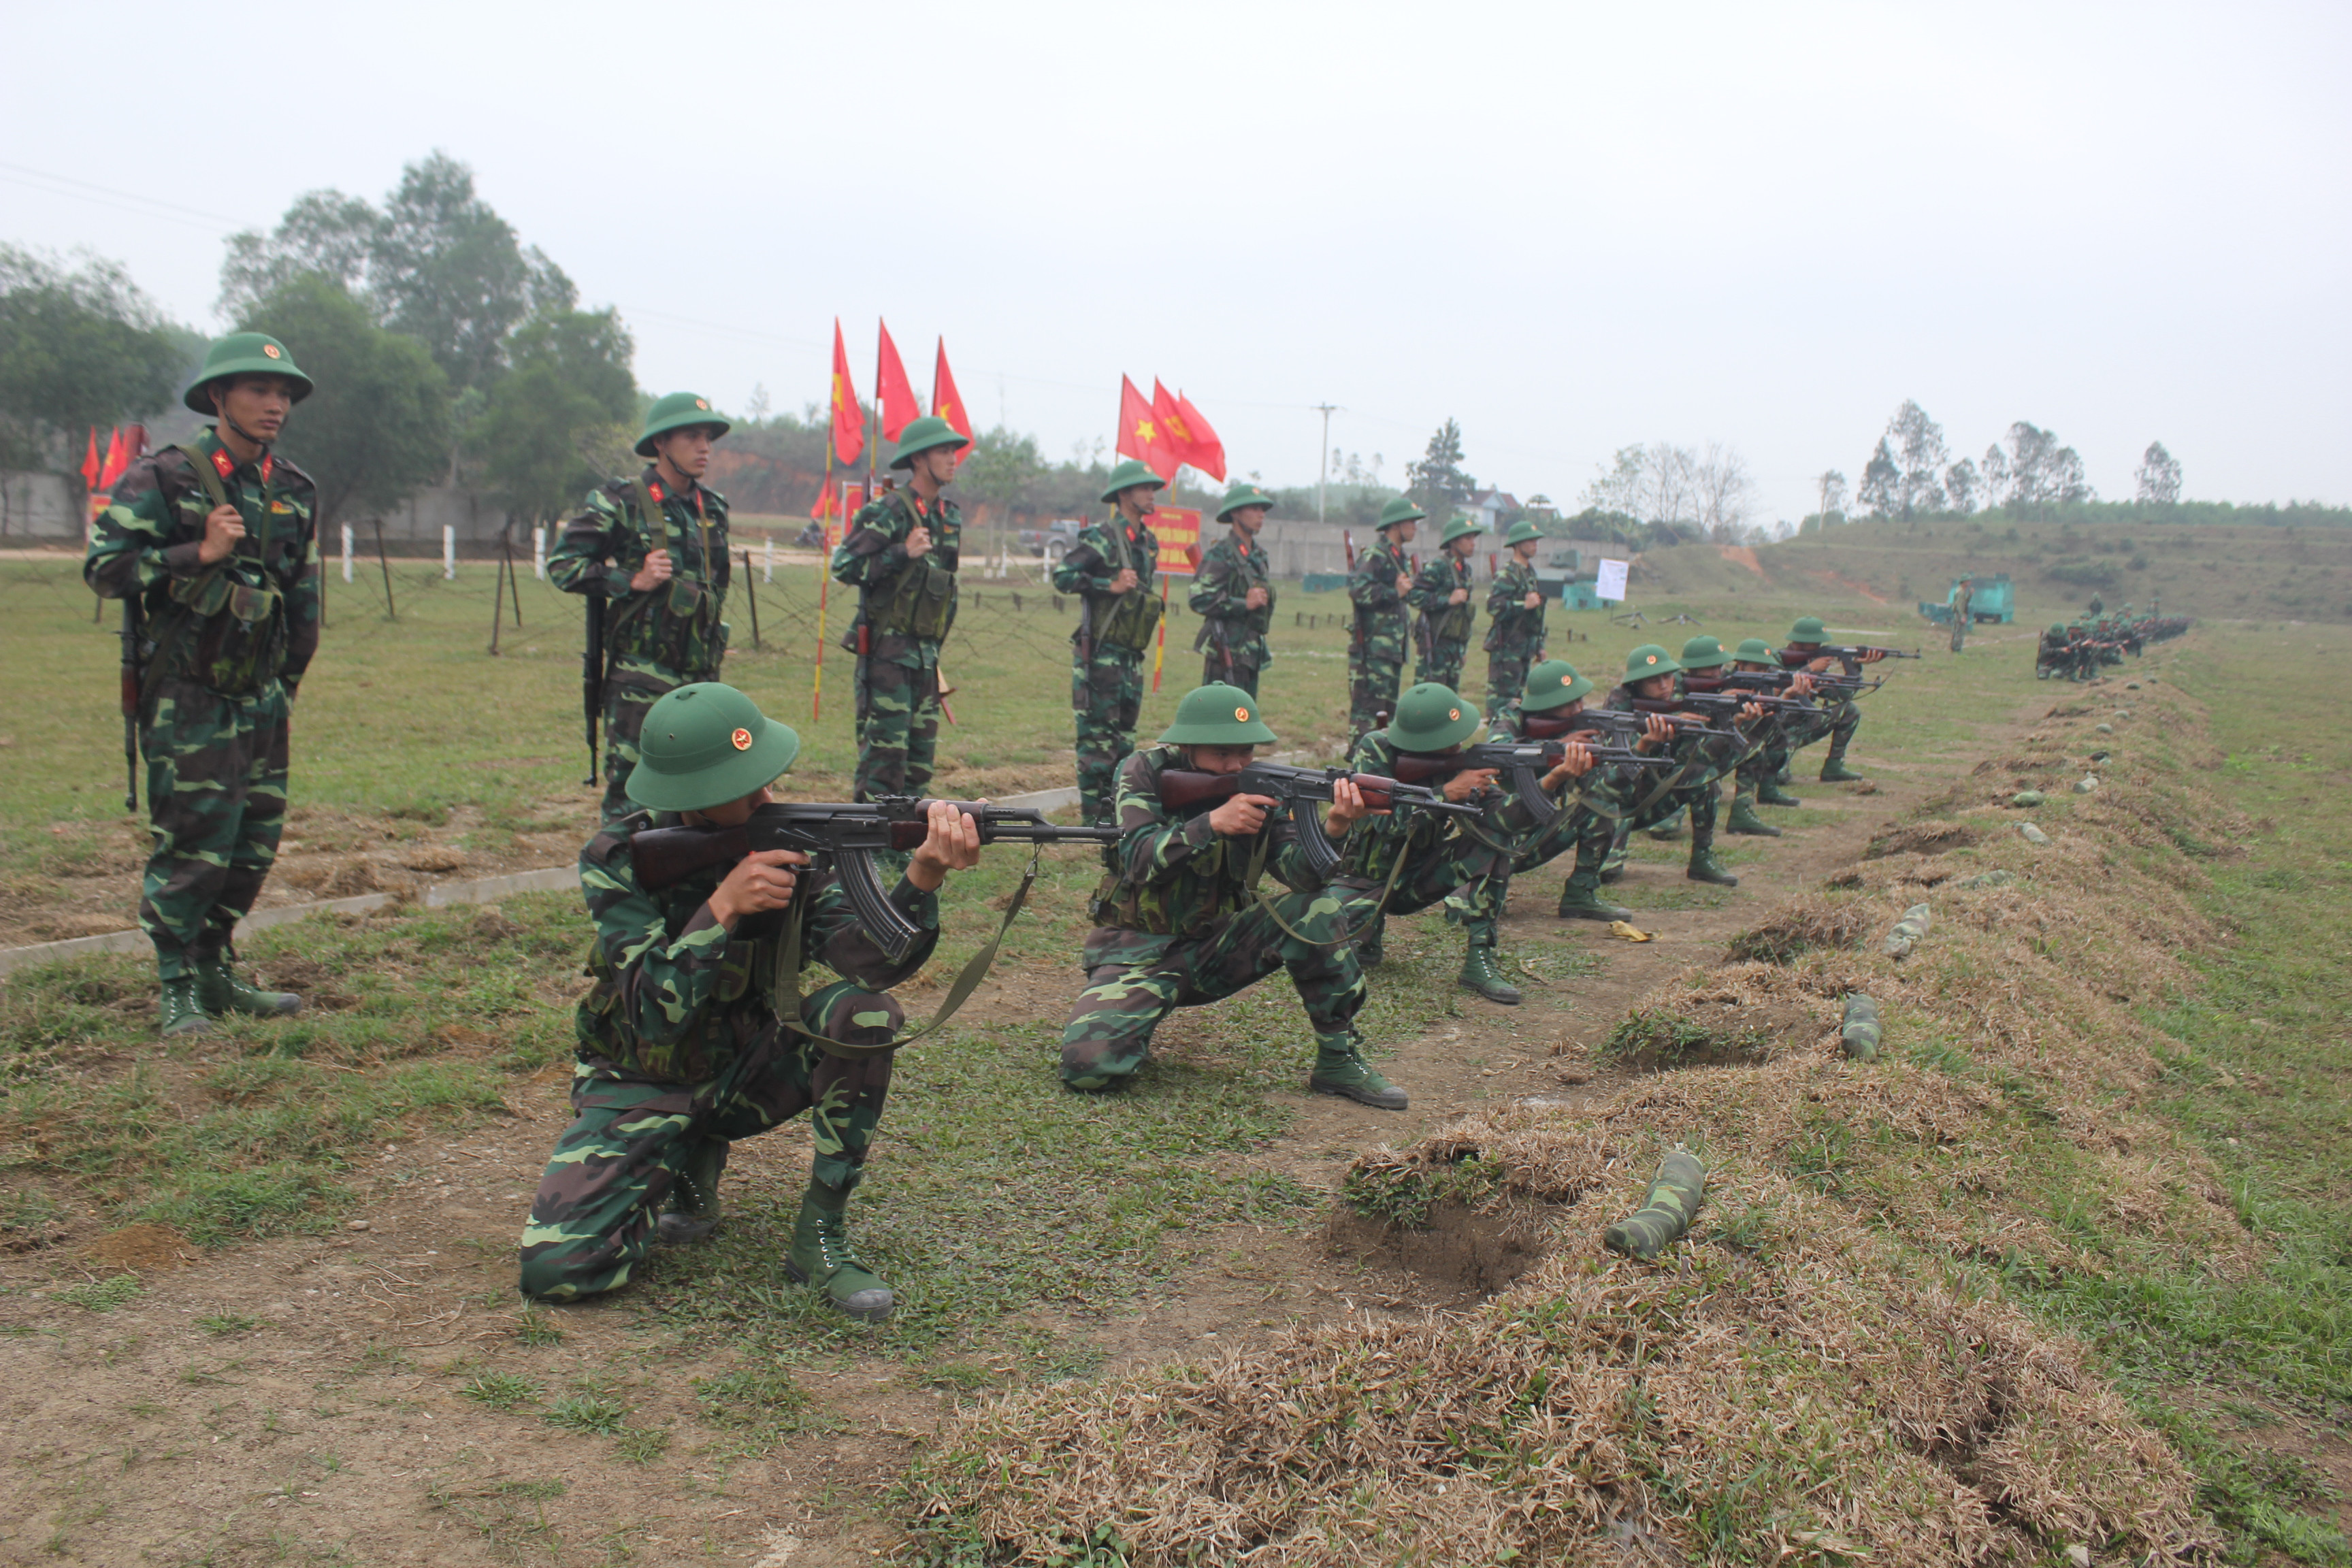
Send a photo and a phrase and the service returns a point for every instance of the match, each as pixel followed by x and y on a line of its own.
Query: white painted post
pixel 347 553
pixel 448 554
pixel 539 553
pixel 767 559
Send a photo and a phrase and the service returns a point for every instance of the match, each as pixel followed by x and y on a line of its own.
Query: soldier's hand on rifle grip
pixel 1405 583
pixel 1534 601
pixel 1464 785
pixel 1458 596
pixel 223 526
pixel 952 845
pixel 1255 599
pixel 1125 582
pixel 651 575
pixel 1802 686
pixel 762 880
pixel 1819 665
pixel 1575 761
pixel 1656 734
pixel 1349 808
pixel 919 542
pixel 1751 711
pixel 1244 815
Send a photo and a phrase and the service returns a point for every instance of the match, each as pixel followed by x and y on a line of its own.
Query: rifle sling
pixel 169 635
pixel 1265 900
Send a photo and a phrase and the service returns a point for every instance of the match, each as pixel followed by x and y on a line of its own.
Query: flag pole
pixel 823 579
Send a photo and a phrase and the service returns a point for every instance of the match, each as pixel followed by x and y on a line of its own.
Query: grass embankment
pixel 1985 1297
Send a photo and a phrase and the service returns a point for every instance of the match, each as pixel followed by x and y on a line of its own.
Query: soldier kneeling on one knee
pixel 695 1033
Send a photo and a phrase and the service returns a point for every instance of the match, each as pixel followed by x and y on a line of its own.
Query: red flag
pixel 89 469
pixel 848 422
pixel 947 402
pixel 1139 435
pixel 890 384
pixel 118 458
pixel 1187 434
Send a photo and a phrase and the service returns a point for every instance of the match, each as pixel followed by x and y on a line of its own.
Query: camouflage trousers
pixel 1959 632
pixel 1586 832
pixel 1469 879
pixel 630 692
pixel 1372 686
pixel 217 771
pixel 636 1145
pixel 1837 722
pixel 1442 664
pixel 898 728
pixel 1110 1031
pixel 1106 696
pixel 1215 666
pixel 1703 800
pixel 1507 679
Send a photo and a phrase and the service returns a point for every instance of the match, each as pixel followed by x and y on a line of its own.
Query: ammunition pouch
pixel 920 601
pixel 1130 621
pixel 1452 623
pixel 229 637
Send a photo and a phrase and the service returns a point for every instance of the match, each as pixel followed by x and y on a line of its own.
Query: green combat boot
pixel 1581 901
pixel 1480 973
pixel 1368 942
pixel 220 990
pixel 693 1212
pixel 1339 1070
pixel 1706 868
pixel 1769 793
pixel 1834 771
pixel 1780 774
pixel 1668 828
pixel 1743 819
pixel 820 1258
pixel 180 1013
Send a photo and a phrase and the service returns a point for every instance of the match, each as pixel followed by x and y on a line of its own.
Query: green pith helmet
pixel 705 744
pixel 1129 474
pixel 1217 715
pixel 242 354
pixel 1704 653
pixel 1521 531
pixel 1240 496
pixel 1808 628
pixel 1401 509
pixel 922 434
pixel 1755 650
pixel 2057 630
pixel 676 412
pixel 1431 718
pixel 1459 527
pixel 1649 659
pixel 1554 683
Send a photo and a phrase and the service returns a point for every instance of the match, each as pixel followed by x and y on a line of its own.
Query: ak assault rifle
pixel 1524 762
pixel 1779 680
pixel 843 836
pixel 134 633
pixel 1182 788
pixel 1793 657
pixel 592 679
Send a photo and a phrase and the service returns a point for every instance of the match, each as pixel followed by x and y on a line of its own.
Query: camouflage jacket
pixel 1172 877
pixel 1220 596
pixel 1440 622
pixel 1102 549
pixel 1375 843
pixel 2052 649
pixel 1605 785
pixel 678 999
pixel 906 606
pixel 1704 758
pixel 1514 630
pixel 1380 608
pixel 241 623
pixel 674 629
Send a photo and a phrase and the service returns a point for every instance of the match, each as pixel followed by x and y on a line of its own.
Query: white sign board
pixel 1609 584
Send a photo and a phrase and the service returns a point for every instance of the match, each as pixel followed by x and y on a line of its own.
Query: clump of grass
pixel 500 1389
pixel 586 1413
pixel 100 1295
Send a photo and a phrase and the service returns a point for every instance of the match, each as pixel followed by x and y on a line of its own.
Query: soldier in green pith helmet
pixel 212 543
pixel 1703 659
pixel 1761 777
pixel 695 1033
pixel 901 553
pixel 1554 695
pixel 1703 759
pixel 650 553
pixel 1110 568
pixel 1840 717
pixel 1376 588
pixel 1440 597
pixel 1233 592
pixel 1515 614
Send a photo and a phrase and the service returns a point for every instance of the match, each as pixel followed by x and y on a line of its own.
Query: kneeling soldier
pixel 1587 825
pixel 695 1033
pixel 1180 920
pixel 1840 716
pixel 1650 672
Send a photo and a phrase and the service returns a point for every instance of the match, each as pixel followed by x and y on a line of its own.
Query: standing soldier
pixel 1441 593
pixel 901 553
pixel 1110 569
pixel 1962 598
pixel 212 540
pixel 650 553
pixel 1234 595
pixel 1376 588
pixel 1515 615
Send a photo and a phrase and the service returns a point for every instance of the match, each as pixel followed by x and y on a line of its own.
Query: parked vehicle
pixel 1053 542
pixel 1991 602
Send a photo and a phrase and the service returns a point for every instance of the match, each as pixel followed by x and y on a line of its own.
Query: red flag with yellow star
pixel 1139 435
pixel 899 409
pixel 89 465
pixel 848 421
pixel 947 402
pixel 1187 432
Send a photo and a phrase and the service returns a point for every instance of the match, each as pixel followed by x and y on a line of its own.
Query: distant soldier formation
pixel 2079 648
pixel 1220 865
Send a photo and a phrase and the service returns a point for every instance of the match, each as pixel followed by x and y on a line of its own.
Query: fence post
pixel 347 553
pixel 768 558
pixel 752 597
pixel 539 553
pixel 450 554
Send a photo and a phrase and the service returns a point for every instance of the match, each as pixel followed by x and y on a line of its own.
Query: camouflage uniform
pixel 1962 597
pixel 1445 862
pixel 1107 666
pixel 681 1053
pixel 1232 633
pixel 1834 716
pixel 667 637
pixel 1441 631
pixel 1515 633
pixel 1588 817
pixel 1376 648
pixel 1691 786
pixel 1178 923
pixel 2050 656
pixel 227 645
pixel 905 609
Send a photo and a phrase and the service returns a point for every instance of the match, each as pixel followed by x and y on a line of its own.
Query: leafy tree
pixel 1920 445
pixel 447 270
pixel 2159 476
pixel 1437 481
pixel 324 232
pixel 1832 488
pixel 2039 471
pixel 1000 467
pixel 1881 491
pixel 1962 485
pixel 378 424
pixel 567 398
pixel 78 348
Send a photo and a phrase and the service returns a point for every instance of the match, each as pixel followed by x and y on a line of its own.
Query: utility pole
pixel 1323 466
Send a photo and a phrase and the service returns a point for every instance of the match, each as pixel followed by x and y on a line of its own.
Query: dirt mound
pixel 144 1248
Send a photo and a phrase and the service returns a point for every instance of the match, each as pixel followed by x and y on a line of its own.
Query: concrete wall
pixel 413 527
pixel 40 506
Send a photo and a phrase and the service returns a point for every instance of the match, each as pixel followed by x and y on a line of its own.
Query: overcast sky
pixel 1570 226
